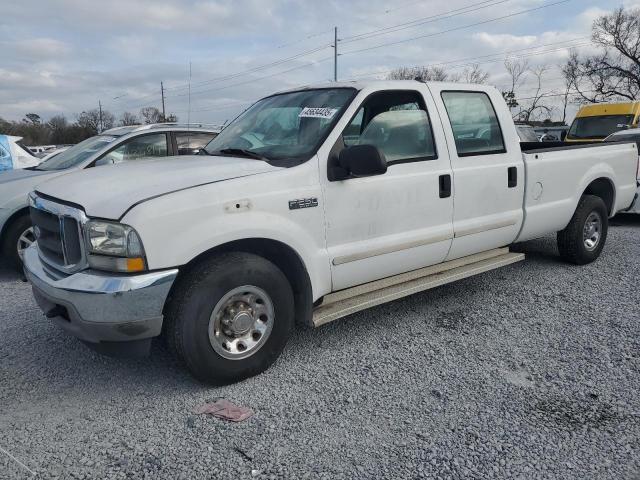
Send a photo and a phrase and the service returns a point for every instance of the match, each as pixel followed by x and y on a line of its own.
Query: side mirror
pixel 360 161
pixel 104 161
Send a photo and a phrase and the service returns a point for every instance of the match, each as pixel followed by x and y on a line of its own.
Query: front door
pixel 398 221
pixel 488 170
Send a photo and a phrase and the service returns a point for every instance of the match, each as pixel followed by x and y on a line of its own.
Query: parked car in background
pixel 526 133
pixel 41 151
pixel 631 135
pixel 598 121
pixel 52 153
pixel 14 155
pixel 552 133
pixel 315 203
pixel 121 144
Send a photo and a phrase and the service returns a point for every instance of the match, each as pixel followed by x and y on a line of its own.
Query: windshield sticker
pixel 108 139
pixel 318 112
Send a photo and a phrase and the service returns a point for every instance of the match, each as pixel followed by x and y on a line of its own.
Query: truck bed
pixel 558 174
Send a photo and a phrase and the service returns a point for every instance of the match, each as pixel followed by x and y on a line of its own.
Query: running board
pixel 345 302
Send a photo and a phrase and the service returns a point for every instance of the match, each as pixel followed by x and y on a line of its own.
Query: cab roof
pixel 599 109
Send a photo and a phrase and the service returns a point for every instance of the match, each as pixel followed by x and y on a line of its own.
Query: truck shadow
pixel 625 220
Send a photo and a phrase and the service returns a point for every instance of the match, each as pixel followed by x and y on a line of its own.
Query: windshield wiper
pixel 241 152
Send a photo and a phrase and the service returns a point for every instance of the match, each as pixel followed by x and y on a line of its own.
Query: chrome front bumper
pixel 99 307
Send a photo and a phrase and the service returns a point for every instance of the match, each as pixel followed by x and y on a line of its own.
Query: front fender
pixel 178 227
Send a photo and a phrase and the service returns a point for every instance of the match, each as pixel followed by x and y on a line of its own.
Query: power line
pixel 463 27
pixel 257 79
pixel 424 20
pixel 502 55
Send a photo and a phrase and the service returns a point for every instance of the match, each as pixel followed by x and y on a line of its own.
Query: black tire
pixel 10 241
pixel 571 242
pixel 194 299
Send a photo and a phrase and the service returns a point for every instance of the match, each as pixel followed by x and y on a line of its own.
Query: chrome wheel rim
pixel 25 240
pixel 592 231
pixel 241 322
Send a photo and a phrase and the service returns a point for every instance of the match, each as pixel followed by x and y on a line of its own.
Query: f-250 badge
pixel 303 203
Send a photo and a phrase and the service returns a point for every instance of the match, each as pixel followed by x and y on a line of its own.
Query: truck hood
pixel 109 191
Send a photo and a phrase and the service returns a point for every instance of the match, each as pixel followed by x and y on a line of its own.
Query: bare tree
pixel 91 121
pixel 422 74
pixel 474 74
pixel 613 73
pixel 128 118
pixel 151 115
pixel 516 70
pixel 535 103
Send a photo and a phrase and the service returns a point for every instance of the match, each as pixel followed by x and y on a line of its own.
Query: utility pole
pixel 100 117
pixel 164 117
pixel 335 54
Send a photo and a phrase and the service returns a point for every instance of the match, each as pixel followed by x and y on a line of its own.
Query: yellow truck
pixel 597 121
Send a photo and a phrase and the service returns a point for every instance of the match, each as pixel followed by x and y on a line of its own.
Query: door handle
pixel 444 182
pixel 512 177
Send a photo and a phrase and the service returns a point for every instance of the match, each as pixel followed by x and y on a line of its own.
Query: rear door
pixel 488 169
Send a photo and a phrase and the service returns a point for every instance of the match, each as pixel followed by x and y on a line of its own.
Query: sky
pixel 65 56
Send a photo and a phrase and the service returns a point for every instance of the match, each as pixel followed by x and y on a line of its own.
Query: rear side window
pixel 474 123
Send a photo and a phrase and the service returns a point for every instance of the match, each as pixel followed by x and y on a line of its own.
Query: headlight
pixel 114 247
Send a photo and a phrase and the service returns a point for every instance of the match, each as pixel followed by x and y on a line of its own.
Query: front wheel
pixel 18 237
pixel 582 241
pixel 230 317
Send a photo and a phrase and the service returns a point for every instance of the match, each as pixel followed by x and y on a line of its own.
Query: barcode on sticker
pixel 317 112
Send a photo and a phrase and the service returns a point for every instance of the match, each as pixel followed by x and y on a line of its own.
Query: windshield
pixel 77 154
pixel 598 127
pixel 285 129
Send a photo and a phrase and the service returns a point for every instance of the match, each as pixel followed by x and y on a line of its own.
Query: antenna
pixel 189 95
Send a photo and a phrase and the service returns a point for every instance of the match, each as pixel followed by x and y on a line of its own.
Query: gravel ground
pixel 531 371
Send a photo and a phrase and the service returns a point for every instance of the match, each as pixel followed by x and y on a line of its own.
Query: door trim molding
pixel 485 228
pixel 391 249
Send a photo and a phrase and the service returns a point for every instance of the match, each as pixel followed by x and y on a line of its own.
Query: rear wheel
pixel 230 317
pixel 18 237
pixel 582 241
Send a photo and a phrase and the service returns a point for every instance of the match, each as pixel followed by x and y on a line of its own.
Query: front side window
pixel 474 122
pixel 395 122
pixel 144 146
pixel 598 127
pixel 77 154
pixel 190 143
pixel 285 129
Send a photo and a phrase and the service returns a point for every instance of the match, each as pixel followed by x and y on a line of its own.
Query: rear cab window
pixel 474 122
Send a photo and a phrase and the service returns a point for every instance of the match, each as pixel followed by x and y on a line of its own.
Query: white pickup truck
pixel 313 204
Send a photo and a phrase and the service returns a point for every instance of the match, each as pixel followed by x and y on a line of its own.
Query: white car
pixel 121 144
pixel 14 155
pixel 313 204
pixel 630 135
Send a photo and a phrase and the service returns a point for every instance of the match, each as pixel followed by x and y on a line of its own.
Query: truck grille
pixel 59 234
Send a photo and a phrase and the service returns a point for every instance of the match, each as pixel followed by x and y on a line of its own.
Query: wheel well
pixel 603 188
pixel 10 220
pixel 283 256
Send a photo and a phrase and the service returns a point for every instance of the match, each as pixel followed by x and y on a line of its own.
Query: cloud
pixel 38 48
pixel 66 55
pixel 502 40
